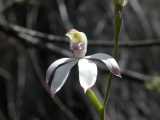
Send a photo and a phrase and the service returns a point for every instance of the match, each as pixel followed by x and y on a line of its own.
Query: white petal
pixel 53 67
pixel 108 60
pixel 87 73
pixel 60 76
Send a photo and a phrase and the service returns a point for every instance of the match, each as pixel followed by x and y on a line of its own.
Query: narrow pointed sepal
pixel 51 69
pixel 87 73
pixel 109 61
pixel 60 76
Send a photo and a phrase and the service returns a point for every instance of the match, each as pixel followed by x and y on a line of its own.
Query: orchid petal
pixel 53 67
pixel 60 76
pixel 108 60
pixel 87 73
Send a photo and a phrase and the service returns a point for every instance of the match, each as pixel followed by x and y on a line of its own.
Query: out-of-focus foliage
pixel 153 84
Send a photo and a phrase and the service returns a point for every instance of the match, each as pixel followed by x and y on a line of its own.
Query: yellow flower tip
pixel 122 3
pixel 76 36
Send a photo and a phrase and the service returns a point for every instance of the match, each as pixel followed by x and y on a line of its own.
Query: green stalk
pixel 117 21
pixel 102 114
pixel 100 107
pixel 94 100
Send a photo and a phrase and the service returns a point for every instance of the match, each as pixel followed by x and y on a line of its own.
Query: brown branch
pixel 49 38
pixel 93 43
pixel 26 39
pixel 33 33
pixel 136 76
pixel 127 44
pixel 132 75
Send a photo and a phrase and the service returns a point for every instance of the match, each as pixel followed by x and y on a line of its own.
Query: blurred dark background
pixel 32 36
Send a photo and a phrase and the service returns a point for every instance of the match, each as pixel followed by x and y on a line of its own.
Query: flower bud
pixel 78 43
pixel 120 3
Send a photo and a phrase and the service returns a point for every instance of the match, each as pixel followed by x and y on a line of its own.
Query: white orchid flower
pixel 59 70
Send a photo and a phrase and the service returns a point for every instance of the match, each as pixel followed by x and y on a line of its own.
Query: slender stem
pixel 94 100
pixel 90 93
pixel 106 99
pixel 96 103
pixel 118 21
pixel 102 114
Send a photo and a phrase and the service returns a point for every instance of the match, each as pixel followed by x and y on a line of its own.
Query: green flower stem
pixel 99 106
pixel 118 21
pixel 94 100
pixel 102 114
pixel 106 99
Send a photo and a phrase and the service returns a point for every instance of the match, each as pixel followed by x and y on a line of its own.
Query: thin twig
pixel 17 30
pixel 127 44
pixel 93 43
pixel 27 39
pixel 136 76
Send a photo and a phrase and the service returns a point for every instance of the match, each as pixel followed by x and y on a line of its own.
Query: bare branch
pixel 30 40
pixel 23 33
pixel 127 44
